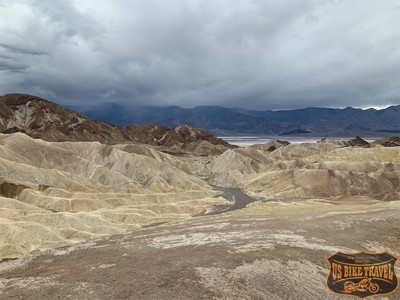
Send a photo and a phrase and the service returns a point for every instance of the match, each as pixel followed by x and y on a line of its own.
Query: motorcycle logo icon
pixel 362 274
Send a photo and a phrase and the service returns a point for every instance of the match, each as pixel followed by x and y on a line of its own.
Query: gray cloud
pixel 11 67
pixel 254 54
pixel 18 50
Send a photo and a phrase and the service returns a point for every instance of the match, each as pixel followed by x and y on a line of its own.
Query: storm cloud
pixel 266 54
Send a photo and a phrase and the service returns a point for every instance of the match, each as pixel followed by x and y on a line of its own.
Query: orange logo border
pixel 366 252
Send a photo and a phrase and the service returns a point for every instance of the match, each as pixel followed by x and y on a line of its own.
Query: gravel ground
pixel 265 251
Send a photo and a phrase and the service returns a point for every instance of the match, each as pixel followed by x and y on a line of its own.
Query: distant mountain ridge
pixel 311 121
pixel 40 118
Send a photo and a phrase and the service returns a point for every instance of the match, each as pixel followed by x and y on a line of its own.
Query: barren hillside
pixel 49 121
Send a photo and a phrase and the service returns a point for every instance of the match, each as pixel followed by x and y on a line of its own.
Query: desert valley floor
pixel 130 221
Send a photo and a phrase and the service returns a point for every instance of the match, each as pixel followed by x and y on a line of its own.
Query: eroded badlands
pixel 129 221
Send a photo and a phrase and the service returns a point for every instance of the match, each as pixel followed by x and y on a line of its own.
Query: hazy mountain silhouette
pixel 309 121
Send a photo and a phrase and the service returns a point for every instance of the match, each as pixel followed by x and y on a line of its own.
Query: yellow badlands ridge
pixel 55 193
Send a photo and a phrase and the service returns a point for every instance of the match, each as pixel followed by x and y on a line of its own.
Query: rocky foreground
pixel 274 250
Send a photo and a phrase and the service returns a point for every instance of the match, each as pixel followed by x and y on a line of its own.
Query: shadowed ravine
pixel 238 198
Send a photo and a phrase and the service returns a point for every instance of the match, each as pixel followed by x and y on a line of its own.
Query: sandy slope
pixel 54 193
pixel 321 170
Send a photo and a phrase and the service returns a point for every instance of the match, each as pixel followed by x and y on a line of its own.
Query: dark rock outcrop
pixel 391 141
pixel 270 146
pixel 358 141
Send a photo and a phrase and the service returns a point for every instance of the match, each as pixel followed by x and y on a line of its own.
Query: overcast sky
pixel 263 54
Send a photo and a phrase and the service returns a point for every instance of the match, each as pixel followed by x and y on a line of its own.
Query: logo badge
pixel 362 274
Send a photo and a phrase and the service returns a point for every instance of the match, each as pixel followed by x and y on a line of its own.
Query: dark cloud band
pixel 253 54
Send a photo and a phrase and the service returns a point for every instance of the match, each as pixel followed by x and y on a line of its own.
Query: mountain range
pixel 40 118
pixel 311 121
